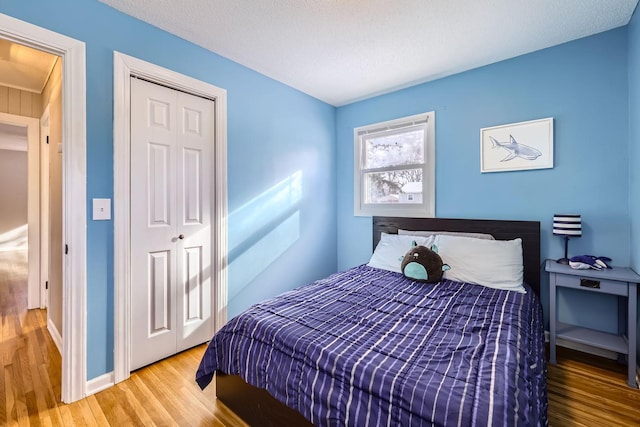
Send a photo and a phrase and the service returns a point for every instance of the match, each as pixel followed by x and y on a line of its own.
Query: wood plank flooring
pixel 586 390
pixel 583 390
pixel 163 394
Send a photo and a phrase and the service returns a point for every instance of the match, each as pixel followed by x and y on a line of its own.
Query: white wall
pixel 13 199
pixel 52 96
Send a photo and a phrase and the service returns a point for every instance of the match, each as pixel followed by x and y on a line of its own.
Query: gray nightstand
pixel 620 281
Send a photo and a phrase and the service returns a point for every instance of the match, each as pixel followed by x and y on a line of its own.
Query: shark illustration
pixel 516 150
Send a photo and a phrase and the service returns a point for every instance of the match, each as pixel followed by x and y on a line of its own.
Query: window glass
pixel 396 149
pixel 396 186
pixel 394 167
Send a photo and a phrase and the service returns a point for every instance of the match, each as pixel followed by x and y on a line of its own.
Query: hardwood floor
pixel 583 390
pixel 586 390
pixel 163 394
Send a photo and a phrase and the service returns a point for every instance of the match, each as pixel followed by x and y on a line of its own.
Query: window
pixel 394 167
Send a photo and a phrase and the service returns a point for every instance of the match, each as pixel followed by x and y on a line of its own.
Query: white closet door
pixel 171 138
pixel 194 183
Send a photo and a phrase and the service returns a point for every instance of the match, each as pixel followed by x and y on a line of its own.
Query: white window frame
pixel 426 209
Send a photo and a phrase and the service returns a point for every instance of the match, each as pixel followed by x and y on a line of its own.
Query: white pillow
pixel 447 233
pixel 392 248
pixel 492 263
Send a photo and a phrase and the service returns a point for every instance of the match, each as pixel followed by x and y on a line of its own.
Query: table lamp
pixel 568 226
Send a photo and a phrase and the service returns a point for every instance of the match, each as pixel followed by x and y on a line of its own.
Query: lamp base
pixel 564 261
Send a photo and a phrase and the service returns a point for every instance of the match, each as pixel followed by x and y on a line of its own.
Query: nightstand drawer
pixel 593 284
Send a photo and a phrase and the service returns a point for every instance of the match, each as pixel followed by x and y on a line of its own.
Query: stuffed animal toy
pixel 584 262
pixel 423 264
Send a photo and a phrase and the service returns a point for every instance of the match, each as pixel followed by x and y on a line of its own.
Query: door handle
pixel 181 236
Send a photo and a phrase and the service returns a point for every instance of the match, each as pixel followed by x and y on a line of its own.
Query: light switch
pixel 101 209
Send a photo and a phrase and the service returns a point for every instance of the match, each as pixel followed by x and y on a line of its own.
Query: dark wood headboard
pixel 528 231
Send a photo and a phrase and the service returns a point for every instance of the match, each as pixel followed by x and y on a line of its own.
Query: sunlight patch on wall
pixel 258 213
pixel 261 230
pixel 248 265
pixel 15 239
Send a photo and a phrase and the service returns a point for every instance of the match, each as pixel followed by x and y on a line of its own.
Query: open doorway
pixel 13 218
pixel 20 192
pixel 72 168
pixel 31 195
pixel 14 189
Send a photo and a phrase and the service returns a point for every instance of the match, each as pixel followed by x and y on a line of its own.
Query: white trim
pixel 100 383
pixel 74 192
pixel 55 335
pixel 44 215
pixel 123 67
pixel 424 209
pixel 33 203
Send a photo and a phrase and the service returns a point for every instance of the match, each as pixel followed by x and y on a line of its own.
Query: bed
pixel 371 347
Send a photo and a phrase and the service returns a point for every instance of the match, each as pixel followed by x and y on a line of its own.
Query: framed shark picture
pixel 517 146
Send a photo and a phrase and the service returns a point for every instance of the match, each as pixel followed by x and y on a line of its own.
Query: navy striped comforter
pixel 368 347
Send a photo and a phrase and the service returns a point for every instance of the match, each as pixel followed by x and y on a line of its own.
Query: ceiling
pixel 342 51
pixel 24 68
pixel 27 69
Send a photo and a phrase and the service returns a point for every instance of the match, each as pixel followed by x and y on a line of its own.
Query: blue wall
pixel 634 138
pixel 281 162
pixel 634 143
pixel 290 157
pixel 583 86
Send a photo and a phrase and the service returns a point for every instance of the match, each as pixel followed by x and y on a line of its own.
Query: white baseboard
pixel 100 383
pixel 583 348
pixel 55 335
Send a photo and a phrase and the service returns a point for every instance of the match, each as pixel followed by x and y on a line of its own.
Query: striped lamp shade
pixel 567 225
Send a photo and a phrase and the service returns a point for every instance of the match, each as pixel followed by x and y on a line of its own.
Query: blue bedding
pixel 369 347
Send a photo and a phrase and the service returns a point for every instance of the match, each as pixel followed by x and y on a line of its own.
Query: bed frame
pixel 258 408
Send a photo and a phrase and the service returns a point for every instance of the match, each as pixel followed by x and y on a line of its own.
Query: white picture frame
pixel 517 146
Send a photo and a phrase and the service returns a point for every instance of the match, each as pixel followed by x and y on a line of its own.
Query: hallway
pixel 30 374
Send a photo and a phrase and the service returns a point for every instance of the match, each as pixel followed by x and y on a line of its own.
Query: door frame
pixel 74 196
pixel 33 203
pixel 44 209
pixel 124 67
